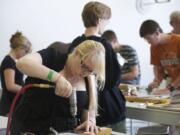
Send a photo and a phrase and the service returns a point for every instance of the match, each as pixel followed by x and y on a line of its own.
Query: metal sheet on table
pixel 170 107
pixel 67 134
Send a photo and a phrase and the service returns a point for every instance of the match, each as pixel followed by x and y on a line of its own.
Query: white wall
pixel 46 21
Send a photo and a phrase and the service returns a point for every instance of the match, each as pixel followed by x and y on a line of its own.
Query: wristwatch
pixel 171 88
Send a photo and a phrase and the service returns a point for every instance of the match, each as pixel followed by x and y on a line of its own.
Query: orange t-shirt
pixel 168 56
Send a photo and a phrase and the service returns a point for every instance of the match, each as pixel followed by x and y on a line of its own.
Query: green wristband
pixel 50 75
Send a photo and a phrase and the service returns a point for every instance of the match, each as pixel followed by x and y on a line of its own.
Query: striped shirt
pixel 131 59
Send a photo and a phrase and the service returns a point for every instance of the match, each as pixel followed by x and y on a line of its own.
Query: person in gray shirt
pixel 131 67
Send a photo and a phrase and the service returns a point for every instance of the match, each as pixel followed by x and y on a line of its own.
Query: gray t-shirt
pixel 131 59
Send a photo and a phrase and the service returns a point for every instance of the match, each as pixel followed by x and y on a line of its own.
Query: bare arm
pixel 176 82
pixel 93 98
pixel 89 116
pixel 92 93
pixel 132 74
pixel 31 65
pixel 158 73
pixel 88 124
pixel 9 75
pixel 158 77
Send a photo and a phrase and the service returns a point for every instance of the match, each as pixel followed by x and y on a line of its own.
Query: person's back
pixel 60 46
pixel 111 101
pixel 130 68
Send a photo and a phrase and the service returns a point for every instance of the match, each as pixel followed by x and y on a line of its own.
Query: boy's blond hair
pixel 175 15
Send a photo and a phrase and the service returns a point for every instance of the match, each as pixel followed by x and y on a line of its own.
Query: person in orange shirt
pixel 165 54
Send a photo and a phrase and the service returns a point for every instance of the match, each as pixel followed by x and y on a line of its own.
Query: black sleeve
pixel 76 42
pixel 113 70
pixel 9 63
pixel 49 57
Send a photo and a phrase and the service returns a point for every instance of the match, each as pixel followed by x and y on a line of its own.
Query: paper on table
pixel 67 134
pixel 174 104
pixel 170 107
pixel 3 122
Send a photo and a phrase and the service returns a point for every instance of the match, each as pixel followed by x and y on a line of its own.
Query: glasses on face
pixel 86 68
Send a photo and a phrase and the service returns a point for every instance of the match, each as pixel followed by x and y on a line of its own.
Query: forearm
pixel 157 78
pixel 128 76
pixel 88 115
pixel 132 74
pixel 10 83
pixel 14 88
pixel 34 68
pixel 176 82
pixel 92 93
pixel 158 74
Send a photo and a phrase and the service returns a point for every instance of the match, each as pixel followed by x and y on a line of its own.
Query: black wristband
pixel 171 88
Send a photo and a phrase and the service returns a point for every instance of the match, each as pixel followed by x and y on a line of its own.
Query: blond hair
pixel 96 52
pixel 93 11
pixel 175 15
pixel 18 40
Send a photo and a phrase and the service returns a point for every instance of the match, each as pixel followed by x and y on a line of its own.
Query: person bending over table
pixel 40 108
pixel 165 55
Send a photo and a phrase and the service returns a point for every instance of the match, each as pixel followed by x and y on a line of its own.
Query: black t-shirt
pixel 40 104
pixel 7 96
pixel 112 66
pixel 111 100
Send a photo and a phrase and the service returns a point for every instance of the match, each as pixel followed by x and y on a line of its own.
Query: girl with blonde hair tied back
pixel 11 77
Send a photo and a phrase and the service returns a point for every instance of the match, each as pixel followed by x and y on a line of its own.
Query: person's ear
pixel 171 22
pixel 99 21
pixel 114 41
pixel 157 33
pixel 77 52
